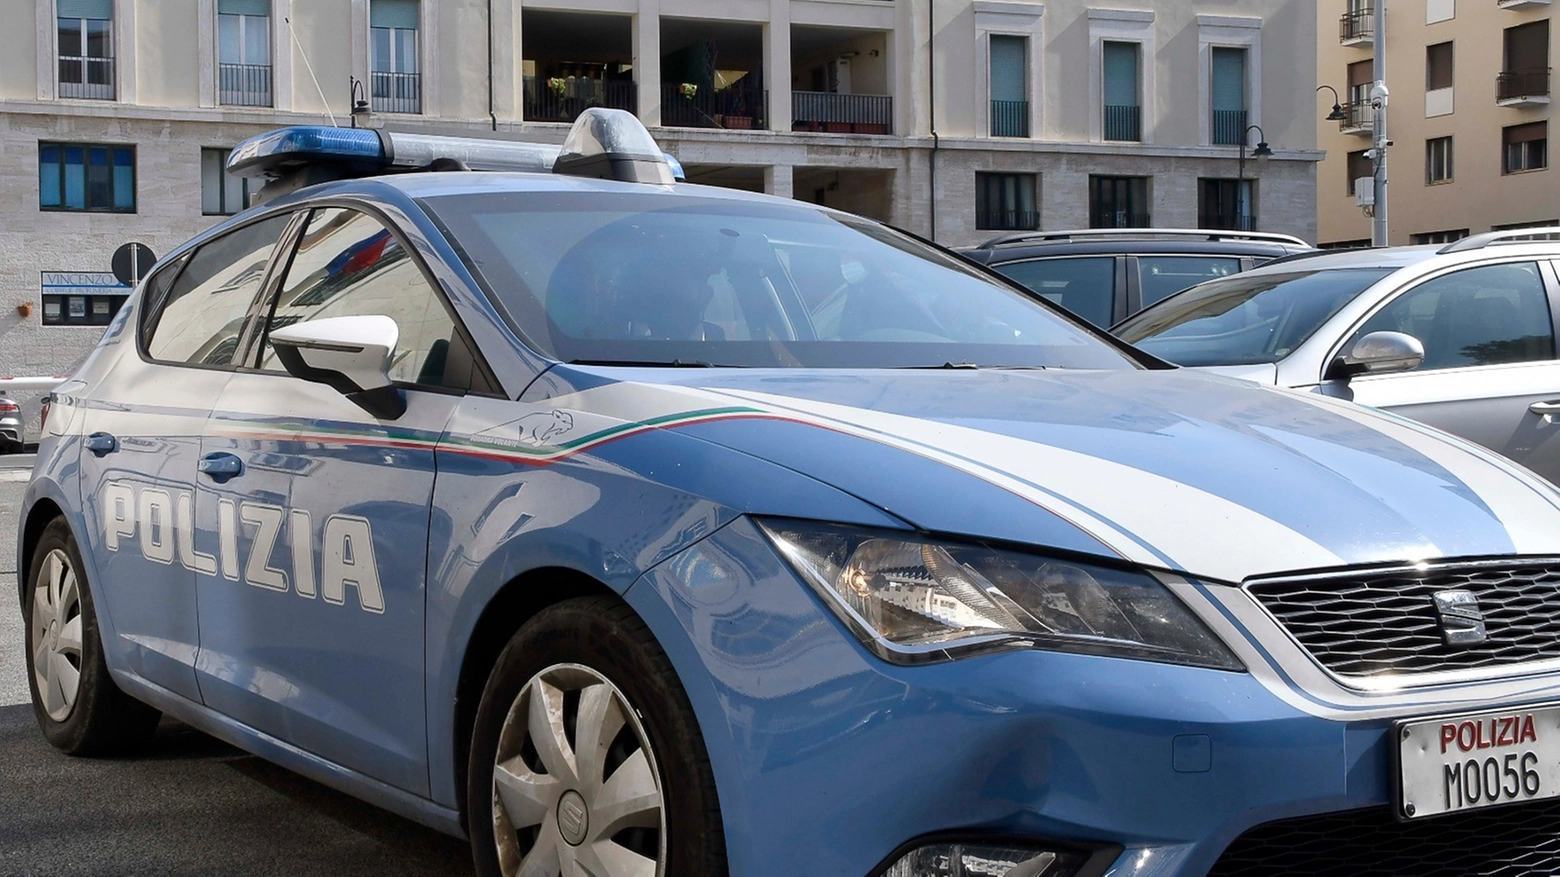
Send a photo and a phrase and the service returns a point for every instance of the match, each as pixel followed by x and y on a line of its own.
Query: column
pixel 777 69
pixel 780 180
pixel 647 61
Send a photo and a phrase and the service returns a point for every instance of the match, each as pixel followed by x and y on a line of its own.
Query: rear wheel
pixel 586 757
pixel 78 706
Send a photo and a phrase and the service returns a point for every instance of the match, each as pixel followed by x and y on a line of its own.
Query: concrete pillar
pixel 780 180
pixel 647 60
pixel 777 67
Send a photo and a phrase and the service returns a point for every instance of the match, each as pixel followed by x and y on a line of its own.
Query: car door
pixel 312 631
pixel 1092 287
pixel 1490 372
pixel 143 423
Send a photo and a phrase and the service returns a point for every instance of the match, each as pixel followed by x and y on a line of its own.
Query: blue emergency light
pixel 606 144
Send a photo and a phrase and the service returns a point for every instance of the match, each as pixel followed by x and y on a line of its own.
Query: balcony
pixel 1357 27
pixel 1124 123
pixel 738 106
pixel 1227 221
pixel 842 113
pixel 1522 4
pixel 1358 118
pixel 1119 219
pixel 1007 220
pixel 1010 118
pixel 563 99
pixel 1526 87
pixel 1229 127
pixel 244 85
pixel 396 92
pixel 87 78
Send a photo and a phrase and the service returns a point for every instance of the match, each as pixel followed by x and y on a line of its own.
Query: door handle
pixel 221 466
pixel 1545 409
pixel 101 443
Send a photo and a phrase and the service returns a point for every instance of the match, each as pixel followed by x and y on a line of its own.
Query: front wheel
pixel 586 757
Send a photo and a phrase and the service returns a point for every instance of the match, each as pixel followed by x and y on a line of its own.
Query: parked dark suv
pixel 1105 275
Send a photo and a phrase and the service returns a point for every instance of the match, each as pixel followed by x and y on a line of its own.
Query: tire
pixel 592 667
pixel 65 649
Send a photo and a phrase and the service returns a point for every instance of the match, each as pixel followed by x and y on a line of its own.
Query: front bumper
pixel 828 759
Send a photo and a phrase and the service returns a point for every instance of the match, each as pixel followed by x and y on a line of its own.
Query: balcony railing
pixel 1358 118
pixel 244 85
pixel 90 78
pixel 1118 219
pixel 1227 221
pixel 396 92
pixel 1123 123
pixel 1229 127
pixel 1009 118
pixel 1008 220
pixel 1527 82
pixel 842 113
pixel 735 106
pixel 1357 26
pixel 545 102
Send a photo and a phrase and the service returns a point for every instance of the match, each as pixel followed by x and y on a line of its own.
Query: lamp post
pixel 1261 153
pixel 1337 111
pixel 1378 152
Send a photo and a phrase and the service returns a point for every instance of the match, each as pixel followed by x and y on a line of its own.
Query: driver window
pixel 1490 315
pixel 348 264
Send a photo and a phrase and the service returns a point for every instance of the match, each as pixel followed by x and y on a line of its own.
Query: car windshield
pixel 1247 318
pixel 652 278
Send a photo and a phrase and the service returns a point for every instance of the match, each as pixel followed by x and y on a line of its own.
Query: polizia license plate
pixel 1477 760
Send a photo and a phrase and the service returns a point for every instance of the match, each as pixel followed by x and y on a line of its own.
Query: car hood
pixel 1176 469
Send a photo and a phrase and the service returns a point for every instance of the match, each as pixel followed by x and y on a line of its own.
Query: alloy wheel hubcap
pixel 56 636
pixel 576 790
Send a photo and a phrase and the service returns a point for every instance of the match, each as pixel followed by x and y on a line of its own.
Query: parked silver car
pixel 1461 337
pixel 10 425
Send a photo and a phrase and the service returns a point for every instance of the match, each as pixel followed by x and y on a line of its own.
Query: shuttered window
pixel 1228 95
pixel 1438 66
pixel 1122 93
pixel 393 13
pixel 244 7
pixel 98 10
pixel 1009 68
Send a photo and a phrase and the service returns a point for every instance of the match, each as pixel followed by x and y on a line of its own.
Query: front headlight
pixel 915 600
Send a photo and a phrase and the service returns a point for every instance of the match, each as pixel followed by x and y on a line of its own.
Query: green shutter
pixel 102 10
pixel 1009 68
pixel 393 13
pixel 244 7
pixel 1229 79
pixel 1121 74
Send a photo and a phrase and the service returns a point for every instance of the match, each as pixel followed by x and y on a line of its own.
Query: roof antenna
pixel 305 56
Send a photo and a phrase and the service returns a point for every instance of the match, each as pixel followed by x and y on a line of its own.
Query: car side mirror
pixel 350 355
pixel 1379 353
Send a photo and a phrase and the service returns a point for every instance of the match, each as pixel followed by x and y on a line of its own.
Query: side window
pixel 1085 286
pixel 1160 277
pixel 199 320
pixel 1489 315
pixel 348 264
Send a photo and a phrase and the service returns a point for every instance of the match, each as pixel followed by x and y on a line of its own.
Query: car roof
pixel 432 185
pixel 1016 247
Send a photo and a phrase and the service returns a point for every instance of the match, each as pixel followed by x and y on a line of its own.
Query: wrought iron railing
pixel 842 113
pixel 244 85
pixel 90 78
pixel 1227 221
pixel 1357 116
pixel 396 92
pixel 1010 118
pixel 1229 127
pixel 736 106
pixel 1357 25
pixel 1007 220
pixel 1117 219
pixel 1123 123
pixel 1523 82
pixel 562 100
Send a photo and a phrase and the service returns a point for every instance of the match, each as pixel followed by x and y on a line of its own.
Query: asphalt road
pixel 190 805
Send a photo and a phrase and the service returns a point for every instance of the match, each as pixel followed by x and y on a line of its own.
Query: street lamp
pixel 361 110
pixel 1337 111
pixel 1261 153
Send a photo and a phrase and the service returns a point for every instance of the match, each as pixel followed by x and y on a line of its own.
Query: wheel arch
pixel 42 512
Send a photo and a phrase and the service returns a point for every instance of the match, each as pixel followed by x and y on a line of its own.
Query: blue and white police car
pixel 630 527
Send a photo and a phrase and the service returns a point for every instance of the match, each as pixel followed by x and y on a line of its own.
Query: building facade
pixel 1468 115
pixel 955 119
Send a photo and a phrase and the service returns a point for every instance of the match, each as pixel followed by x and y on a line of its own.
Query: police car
pixel 628 527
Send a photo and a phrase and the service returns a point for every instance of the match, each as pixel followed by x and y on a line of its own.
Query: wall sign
pixel 81 298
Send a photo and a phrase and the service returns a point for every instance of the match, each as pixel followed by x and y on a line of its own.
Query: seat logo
pixel 1462 624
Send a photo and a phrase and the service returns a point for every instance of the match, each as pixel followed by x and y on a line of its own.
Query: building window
pixel 1359 167
pixel 1526 69
pixel 1357 111
pixel 1438 237
pixel 244 52
pixel 1517 226
pixel 86 42
pixel 1118 202
pixel 1438 66
pixel 1123 102
pixel 86 176
pixel 1227 96
pixel 1355 244
pixel 221 193
pixel 1006 202
pixel 1227 204
pixel 1438 160
pixel 396 80
pixel 1009 86
pixel 1526 147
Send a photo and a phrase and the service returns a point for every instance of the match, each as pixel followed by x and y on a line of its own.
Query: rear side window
pixel 1160 277
pixel 348 264
pixel 200 319
pixel 1085 286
